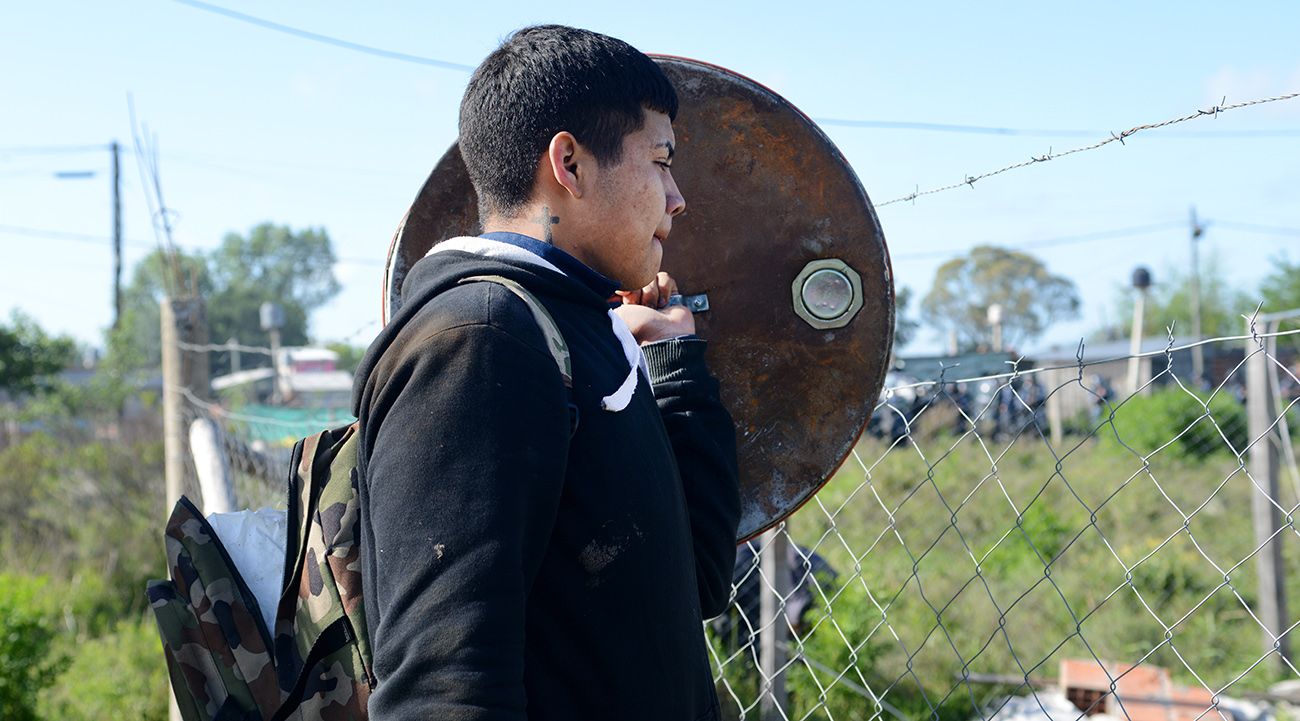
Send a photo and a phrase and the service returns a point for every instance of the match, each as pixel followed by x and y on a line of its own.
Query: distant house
pixel 953 367
pixel 308 378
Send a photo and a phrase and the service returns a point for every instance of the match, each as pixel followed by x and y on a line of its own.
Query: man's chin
pixel 638 286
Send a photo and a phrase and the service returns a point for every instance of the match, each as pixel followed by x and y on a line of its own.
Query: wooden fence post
pixel 183 321
pixel 1262 425
pixel 775 631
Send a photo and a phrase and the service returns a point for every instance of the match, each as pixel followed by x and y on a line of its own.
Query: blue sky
pixel 255 125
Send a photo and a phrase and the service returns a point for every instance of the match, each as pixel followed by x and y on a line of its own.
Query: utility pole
pixel 1141 282
pixel 233 346
pixel 1261 421
pixel 183 322
pixel 995 320
pixel 116 149
pixel 271 316
pixel 1198 354
pixel 775 629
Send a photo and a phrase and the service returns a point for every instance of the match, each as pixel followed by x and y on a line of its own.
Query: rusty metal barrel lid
pixel 782 239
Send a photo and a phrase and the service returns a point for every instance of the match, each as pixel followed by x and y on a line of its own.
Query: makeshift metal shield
pixel 782 246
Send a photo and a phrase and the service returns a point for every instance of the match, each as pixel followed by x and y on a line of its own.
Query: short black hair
pixel 545 79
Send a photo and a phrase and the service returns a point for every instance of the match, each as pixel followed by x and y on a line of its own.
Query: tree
pixel 272 264
pixel 349 355
pixel 136 342
pixel 1169 304
pixel 1280 289
pixel 904 327
pixel 29 358
pixel 1030 296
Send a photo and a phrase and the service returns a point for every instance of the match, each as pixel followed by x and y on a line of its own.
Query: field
pixel 954 557
pixel 960 558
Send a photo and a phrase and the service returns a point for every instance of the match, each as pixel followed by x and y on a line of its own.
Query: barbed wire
pixel 1120 137
pixel 222 347
pixel 263 350
pixel 364 328
pixel 1045 132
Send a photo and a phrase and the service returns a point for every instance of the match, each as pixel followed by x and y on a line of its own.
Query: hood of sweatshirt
pixel 453 260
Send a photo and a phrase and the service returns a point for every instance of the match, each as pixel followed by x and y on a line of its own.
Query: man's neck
pixel 536 221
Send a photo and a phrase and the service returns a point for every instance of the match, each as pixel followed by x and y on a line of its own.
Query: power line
pixel 921 255
pixel 361 261
pixel 53 149
pixel 1048 242
pixel 1253 228
pixel 241 166
pixel 217 162
pixel 136 243
pixel 327 39
pixel 67 235
pixel 839 122
pixel 31 172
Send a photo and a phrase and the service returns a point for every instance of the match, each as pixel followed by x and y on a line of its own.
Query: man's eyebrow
pixel 666 144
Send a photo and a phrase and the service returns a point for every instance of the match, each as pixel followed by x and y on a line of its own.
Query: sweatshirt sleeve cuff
pixel 676 359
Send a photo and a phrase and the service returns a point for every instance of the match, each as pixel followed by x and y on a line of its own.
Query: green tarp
pixel 280 426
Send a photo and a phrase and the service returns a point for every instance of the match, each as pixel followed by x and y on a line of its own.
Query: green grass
pixel 1004 560
pixel 953 558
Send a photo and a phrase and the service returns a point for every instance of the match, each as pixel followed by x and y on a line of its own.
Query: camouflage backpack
pixel 224 664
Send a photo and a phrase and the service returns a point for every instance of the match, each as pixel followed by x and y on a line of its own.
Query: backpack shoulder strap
pixel 555 342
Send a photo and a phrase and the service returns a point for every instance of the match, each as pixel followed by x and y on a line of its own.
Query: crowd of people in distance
pixel 998 410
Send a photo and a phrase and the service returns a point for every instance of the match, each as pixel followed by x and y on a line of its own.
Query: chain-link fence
pixel 1108 535
pixel 1042 543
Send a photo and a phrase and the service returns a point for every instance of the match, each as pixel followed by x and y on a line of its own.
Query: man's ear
pixel 563 159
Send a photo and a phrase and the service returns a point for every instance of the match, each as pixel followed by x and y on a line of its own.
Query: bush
pixel 27 636
pixel 1147 422
pixel 121 675
pixel 85 511
pixel 852 614
pixel 89 512
pixel 833 662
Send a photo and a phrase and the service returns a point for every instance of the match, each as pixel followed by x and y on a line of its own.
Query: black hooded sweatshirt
pixel 512 571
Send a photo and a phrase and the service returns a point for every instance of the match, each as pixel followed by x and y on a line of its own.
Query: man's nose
pixel 676 203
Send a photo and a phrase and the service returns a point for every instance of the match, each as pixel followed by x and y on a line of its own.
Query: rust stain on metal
pixel 768 192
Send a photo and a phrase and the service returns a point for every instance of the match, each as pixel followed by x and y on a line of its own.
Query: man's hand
pixel 648 314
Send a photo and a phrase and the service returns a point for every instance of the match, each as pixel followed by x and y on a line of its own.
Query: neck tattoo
pixel 546 220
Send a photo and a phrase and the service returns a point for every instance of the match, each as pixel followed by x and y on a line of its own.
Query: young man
pixel 534 551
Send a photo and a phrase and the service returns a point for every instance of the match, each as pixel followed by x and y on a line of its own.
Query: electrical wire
pixel 920 255
pixel 135 243
pixel 53 149
pixel 326 39
pixel 1049 242
pixel 101 240
pixel 839 122
pixel 1253 228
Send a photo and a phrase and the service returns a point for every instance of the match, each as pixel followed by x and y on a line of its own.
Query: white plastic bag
pixel 255 541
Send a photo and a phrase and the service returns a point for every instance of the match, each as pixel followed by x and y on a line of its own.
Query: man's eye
pixel 664 164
